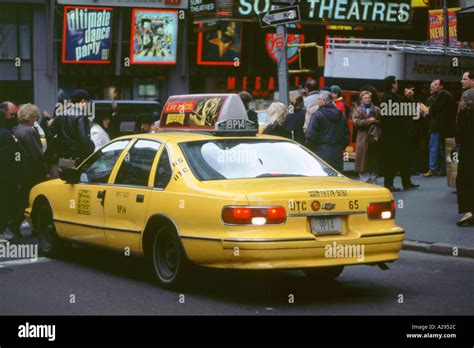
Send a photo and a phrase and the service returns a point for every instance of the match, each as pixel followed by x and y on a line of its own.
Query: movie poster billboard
pixel 192 111
pixel 436 27
pixel 154 36
pixel 222 45
pixel 87 35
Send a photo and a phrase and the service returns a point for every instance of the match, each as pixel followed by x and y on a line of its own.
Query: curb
pixel 439 248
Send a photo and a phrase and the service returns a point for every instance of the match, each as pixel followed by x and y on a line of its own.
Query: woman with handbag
pixel 366 119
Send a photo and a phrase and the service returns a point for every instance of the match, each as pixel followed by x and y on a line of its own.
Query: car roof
pixel 183 136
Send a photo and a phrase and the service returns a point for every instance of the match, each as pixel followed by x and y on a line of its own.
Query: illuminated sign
pixel 87 33
pixel 200 6
pixel 221 46
pixel 369 12
pixel 154 36
pixel 271 43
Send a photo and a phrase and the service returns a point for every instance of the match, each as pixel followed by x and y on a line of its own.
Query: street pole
pixel 446 23
pixel 283 67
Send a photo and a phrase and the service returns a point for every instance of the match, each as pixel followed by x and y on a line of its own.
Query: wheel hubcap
pixel 166 255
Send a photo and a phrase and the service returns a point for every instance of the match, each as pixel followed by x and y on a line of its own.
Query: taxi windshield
pixel 251 158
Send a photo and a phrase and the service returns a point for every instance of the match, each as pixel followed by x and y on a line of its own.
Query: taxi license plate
pixel 321 226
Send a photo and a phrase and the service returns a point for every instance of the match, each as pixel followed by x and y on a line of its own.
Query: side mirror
pixel 70 175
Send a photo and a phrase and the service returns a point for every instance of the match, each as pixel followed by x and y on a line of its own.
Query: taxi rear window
pixel 251 158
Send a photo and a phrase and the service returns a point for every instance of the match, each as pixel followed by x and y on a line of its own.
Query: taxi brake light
pixel 381 210
pixel 240 215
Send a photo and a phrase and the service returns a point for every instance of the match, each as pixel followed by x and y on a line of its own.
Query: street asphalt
pixel 96 282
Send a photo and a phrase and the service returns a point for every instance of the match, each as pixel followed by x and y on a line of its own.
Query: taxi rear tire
pixel 169 259
pixel 48 241
pixel 324 273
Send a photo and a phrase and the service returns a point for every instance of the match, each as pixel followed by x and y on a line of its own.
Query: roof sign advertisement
pixel 201 110
pixel 87 33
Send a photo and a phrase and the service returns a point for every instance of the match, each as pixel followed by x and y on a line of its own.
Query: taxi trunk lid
pixel 311 204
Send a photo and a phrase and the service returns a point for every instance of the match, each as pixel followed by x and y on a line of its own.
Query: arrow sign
pixel 282 15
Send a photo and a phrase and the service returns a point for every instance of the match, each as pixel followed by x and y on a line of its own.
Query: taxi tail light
pixel 381 210
pixel 242 215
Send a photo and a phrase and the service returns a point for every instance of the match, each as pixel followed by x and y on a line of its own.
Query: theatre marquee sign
pixel 368 12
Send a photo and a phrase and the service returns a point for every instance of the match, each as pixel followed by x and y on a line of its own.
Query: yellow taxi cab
pixel 207 190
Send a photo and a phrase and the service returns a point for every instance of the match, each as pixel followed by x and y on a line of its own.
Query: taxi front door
pixel 82 208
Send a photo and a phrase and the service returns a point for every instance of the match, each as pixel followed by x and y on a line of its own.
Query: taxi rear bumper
pixel 288 253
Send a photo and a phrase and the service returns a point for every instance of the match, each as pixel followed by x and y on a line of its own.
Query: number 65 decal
pixel 353 205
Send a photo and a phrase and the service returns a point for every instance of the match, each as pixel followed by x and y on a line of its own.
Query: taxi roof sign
pixel 236 127
pixel 201 111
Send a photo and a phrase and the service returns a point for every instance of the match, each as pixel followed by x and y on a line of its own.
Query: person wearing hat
pixel 336 92
pixel 71 131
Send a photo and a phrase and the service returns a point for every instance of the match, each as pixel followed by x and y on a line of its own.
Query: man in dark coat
pixel 9 173
pixel 11 120
pixel 328 132
pixel 465 141
pixel 442 125
pixel 397 132
pixel 71 129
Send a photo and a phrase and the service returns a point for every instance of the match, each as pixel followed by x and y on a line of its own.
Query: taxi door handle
pixel 140 198
pixel 101 196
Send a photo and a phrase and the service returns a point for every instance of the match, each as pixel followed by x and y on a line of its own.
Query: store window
pixel 16 83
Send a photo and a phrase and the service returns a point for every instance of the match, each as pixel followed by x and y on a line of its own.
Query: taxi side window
pixel 97 168
pixel 163 171
pixel 136 166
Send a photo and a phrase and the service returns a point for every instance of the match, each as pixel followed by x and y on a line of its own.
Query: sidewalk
pixel 429 216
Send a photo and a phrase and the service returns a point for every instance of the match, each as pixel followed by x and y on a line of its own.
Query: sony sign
pixel 340 11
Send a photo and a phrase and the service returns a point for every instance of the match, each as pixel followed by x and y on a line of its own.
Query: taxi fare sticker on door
pixel 84 202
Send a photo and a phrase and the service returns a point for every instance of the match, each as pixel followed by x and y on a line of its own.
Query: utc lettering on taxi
pixel 297 205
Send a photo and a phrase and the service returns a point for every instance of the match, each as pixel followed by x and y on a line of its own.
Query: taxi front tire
pixel 48 241
pixel 324 273
pixel 169 259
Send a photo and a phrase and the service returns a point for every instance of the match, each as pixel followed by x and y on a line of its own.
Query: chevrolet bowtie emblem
pixel 328 206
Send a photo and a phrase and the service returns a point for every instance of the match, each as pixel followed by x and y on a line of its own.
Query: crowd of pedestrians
pixel 396 133
pixel 35 147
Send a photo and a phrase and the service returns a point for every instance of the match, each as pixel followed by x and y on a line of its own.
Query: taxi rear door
pixel 127 199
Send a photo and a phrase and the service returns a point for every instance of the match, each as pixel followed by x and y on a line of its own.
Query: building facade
pixel 115 49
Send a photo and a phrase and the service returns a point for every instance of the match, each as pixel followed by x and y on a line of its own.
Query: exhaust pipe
pixel 383 266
